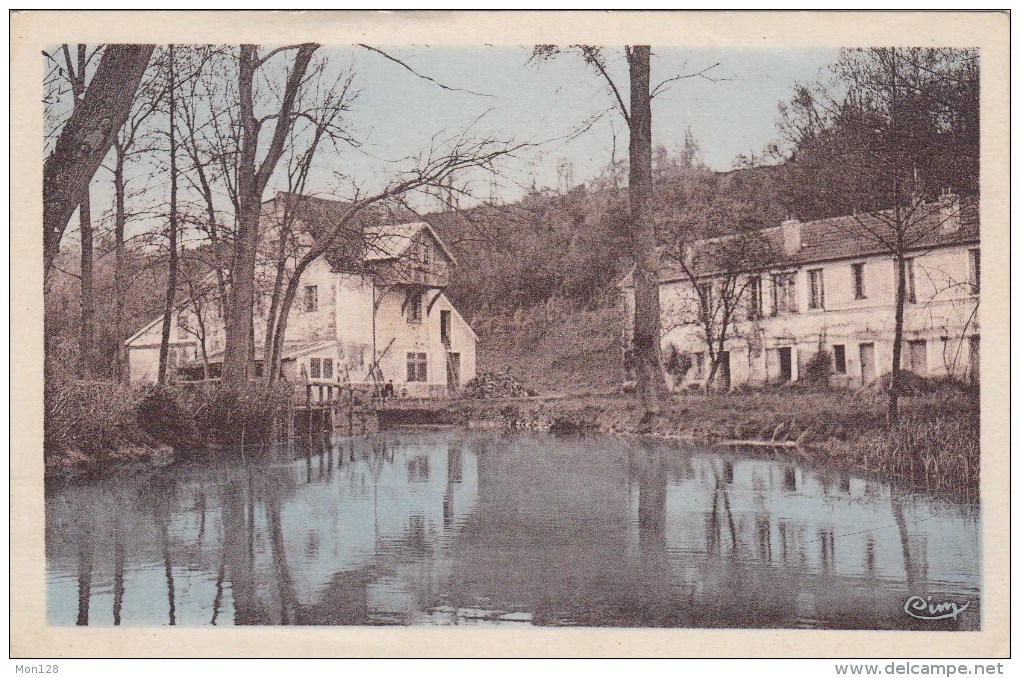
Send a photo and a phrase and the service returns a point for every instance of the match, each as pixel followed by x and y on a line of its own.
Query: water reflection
pixel 457 528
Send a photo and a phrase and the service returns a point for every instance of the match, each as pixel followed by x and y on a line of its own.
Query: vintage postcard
pixel 510 334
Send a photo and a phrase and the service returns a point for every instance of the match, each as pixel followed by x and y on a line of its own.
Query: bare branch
pixel 420 75
pixel 703 73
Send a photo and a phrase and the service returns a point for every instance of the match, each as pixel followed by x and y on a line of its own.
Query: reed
pixel 937 447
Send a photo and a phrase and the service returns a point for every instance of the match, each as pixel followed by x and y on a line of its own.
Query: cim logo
pixel 922 608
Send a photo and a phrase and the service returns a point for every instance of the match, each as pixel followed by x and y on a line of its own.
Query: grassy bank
pixel 92 425
pixel 935 446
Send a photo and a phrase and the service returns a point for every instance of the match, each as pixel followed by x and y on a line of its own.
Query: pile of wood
pixel 495 385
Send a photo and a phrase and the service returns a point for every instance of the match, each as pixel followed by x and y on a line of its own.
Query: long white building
pixel 831 287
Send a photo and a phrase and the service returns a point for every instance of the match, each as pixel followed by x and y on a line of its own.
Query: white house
pixel 831 288
pixel 369 311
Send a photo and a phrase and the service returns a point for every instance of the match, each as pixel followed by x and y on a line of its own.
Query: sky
pixel 500 93
pixel 731 114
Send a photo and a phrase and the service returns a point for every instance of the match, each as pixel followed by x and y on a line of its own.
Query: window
pixel 908 266
pixel 784 293
pixel 699 366
pixel 817 286
pixel 975 271
pixel 182 326
pixel 917 355
pixel 327 368
pixel 839 358
pixel 858 275
pixel 417 367
pixel 754 308
pixel 314 368
pixel 311 298
pixel 414 311
pixel 426 255
pixel 444 328
pixel 705 300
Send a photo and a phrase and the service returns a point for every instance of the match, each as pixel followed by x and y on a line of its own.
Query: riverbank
pixel 935 446
pixel 93 427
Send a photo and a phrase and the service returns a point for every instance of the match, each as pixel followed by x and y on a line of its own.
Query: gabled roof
pixel 368 230
pixel 393 241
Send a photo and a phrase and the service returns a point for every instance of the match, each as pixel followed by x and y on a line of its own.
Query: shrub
pixel 91 417
pixel 677 363
pixel 818 368
pixel 163 413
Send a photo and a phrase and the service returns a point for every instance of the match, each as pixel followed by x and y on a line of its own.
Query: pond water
pixel 479 528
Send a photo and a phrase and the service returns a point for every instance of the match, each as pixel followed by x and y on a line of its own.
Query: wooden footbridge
pixel 343 409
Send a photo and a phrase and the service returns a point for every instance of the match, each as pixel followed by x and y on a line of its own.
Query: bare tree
pixel 320 120
pixel 725 277
pixel 646 349
pixel 208 154
pixel 172 226
pixel 86 138
pixel 128 145
pixel 74 71
pixel 251 180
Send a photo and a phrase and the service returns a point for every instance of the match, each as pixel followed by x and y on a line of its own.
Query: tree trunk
pixel 280 331
pixel 251 182
pixel 119 221
pixel 87 137
pixel 171 285
pixel 87 340
pixel 242 273
pixel 892 413
pixel 269 351
pixel 647 351
pixel 713 368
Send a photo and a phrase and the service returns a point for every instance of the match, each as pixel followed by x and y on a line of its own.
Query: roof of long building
pixel 831 239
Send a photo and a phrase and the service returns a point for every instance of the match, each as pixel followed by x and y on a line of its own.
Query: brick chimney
pixel 949 212
pixel 791 236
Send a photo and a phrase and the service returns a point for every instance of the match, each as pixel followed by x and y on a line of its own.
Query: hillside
pixel 553 349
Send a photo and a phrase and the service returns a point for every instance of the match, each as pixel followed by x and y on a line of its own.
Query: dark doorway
pixel 453 371
pixel 786 364
pixel 867 364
